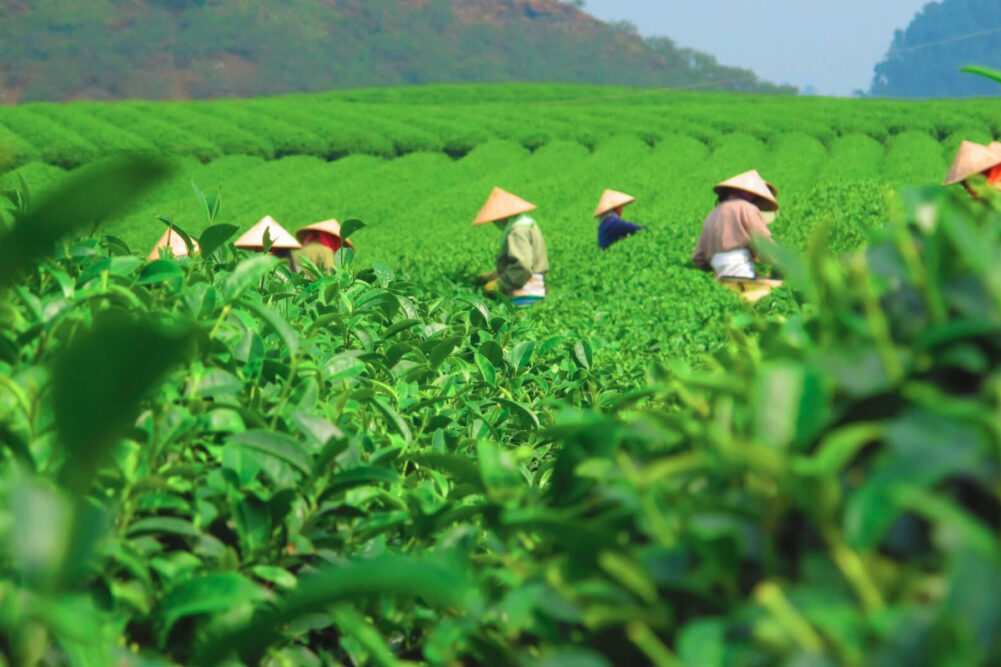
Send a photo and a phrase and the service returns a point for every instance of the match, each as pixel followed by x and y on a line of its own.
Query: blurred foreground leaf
pixel 98 384
pixel 986 72
pixel 86 197
pixel 433 583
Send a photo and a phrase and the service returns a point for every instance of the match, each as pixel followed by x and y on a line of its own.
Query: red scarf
pixel 323 238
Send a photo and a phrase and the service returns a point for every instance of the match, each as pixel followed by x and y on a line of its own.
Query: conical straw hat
pixel 751 182
pixel 500 205
pixel 172 240
pixel 612 199
pixel 329 226
pixel 972 159
pixel 253 238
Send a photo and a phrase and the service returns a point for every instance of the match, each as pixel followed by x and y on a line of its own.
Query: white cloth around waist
pixel 737 263
pixel 536 286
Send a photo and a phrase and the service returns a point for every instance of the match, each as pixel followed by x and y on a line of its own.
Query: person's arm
pixel 514 266
pixel 616 228
pixel 485 277
pixel 699 257
pixel 756 229
pixel 753 223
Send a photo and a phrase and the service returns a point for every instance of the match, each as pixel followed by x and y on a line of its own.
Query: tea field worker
pixel 282 243
pixel 171 239
pixel 320 242
pixel 612 227
pixel 973 159
pixel 740 215
pixel 522 260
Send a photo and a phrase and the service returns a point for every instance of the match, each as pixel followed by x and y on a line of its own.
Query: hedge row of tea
pixel 454 120
pixel 642 299
pixel 212 460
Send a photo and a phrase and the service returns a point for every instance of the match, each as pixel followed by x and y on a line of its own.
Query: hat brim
pixel 762 202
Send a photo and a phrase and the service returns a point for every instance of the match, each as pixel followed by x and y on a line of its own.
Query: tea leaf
pixel 206 594
pixel 349 227
pixel 285 331
pixel 394 418
pixel 435 584
pixel 274 444
pixel 986 72
pixel 215 237
pixel 93 194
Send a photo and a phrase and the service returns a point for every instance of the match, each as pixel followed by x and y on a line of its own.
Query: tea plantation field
pixel 415 164
pixel 213 461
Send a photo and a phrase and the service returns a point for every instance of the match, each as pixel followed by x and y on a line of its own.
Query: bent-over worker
pixel 743 211
pixel 282 243
pixel 522 260
pixel 973 159
pixel 173 242
pixel 320 242
pixel 612 227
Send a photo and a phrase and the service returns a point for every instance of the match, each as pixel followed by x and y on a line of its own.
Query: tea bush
pixel 57 145
pixel 194 121
pixel 111 138
pixel 419 201
pixel 458 118
pixel 213 459
pixel 169 139
pixel 287 137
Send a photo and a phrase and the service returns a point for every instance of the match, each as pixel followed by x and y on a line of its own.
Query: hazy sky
pixel 832 45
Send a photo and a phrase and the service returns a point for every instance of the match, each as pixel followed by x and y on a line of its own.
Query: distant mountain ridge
pixel 57 50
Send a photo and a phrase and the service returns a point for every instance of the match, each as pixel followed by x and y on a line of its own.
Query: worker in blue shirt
pixel 612 227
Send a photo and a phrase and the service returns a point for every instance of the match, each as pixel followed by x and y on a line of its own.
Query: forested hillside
pixel 178 49
pixel 924 60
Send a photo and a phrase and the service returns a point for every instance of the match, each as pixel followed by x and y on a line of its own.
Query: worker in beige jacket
pixel 745 207
pixel 522 260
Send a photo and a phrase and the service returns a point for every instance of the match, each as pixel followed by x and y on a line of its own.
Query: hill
pixel 924 60
pixel 181 49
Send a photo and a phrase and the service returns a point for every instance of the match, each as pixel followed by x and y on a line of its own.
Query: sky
pixel 831 45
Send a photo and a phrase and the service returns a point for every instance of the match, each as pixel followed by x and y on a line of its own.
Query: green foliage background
pixel 210 459
pixel 416 164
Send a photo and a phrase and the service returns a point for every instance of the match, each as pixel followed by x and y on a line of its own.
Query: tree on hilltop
pixel 924 60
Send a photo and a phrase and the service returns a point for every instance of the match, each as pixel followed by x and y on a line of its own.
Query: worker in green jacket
pixel 522 261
